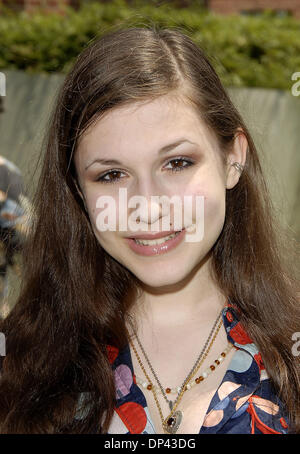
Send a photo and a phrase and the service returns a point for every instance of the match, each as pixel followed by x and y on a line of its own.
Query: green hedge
pixel 252 51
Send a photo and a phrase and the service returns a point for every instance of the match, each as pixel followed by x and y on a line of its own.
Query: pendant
pixel 171 424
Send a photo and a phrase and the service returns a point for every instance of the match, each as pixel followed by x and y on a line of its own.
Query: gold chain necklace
pixel 173 420
pixel 189 386
pixel 171 403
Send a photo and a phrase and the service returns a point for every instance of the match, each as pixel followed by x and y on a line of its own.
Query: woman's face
pixel 133 136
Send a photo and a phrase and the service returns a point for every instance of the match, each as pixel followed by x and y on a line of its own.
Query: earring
pixel 238 166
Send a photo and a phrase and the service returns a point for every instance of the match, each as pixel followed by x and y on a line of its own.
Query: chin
pixel 161 277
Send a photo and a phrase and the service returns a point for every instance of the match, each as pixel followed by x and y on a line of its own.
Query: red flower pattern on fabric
pixel 256 421
pixel 134 416
pixel 259 361
pixel 239 335
pixel 112 353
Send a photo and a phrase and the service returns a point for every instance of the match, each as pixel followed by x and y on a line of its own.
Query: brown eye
pixel 179 164
pixel 112 178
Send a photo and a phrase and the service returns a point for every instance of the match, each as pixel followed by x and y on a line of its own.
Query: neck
pixel 196 299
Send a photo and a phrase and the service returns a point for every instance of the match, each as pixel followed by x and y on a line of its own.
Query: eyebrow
pixel 163 150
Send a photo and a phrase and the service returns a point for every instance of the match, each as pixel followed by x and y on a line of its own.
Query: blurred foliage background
pixel 246 50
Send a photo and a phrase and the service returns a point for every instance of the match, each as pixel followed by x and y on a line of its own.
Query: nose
pixel 150 211
pixel 151 208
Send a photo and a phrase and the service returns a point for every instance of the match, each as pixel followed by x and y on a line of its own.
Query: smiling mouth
pixel 157 246
pixel 157 240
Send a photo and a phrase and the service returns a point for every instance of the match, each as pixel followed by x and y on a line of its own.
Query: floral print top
pixel 244 402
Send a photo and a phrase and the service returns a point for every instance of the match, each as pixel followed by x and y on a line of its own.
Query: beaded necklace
pixel 194 382
pixel 172 422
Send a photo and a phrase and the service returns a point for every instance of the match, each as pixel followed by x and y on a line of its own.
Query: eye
pixel 103 179
pixel 180 167
pixel 110 177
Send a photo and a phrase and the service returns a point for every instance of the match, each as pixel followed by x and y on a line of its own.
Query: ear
pixel 238 154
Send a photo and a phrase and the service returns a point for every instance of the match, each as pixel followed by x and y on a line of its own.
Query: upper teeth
pixel 157 241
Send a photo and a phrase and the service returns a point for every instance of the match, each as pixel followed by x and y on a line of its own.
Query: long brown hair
pixel 74 296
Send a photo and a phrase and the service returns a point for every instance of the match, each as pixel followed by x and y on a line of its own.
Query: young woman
pixel 116 333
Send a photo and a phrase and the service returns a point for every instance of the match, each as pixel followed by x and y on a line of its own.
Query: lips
pixel 152 236
pixel 157 249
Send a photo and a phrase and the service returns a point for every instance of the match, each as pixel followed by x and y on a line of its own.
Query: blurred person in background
pixel 14 219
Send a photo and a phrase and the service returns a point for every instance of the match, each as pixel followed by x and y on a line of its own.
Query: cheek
pixel 103 215
pixel 213 198
pixel 106 212
pixel 105 238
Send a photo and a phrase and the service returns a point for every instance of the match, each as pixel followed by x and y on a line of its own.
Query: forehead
pixel 144 127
